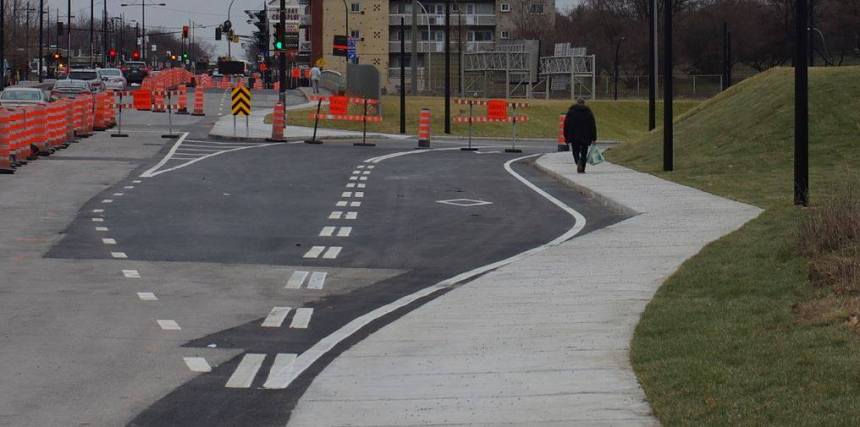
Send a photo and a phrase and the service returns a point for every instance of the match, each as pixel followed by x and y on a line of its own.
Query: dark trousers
pixel 580 153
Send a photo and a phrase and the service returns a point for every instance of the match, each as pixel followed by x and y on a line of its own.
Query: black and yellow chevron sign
pixel 241 101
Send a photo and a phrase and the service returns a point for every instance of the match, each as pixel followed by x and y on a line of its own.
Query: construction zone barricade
pixel 198 102
pixel 338 109
pixel 278 124
pixel 7 159
pixel 182 101
pixel 561 143
pixel 158 103
pixel 424 128
pixel 142 100
pixel 496 112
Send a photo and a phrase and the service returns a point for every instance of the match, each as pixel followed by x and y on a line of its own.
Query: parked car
pixel 135 72
pixel 113 78
pixel 90 76
pixel 68 88
pixel 23 97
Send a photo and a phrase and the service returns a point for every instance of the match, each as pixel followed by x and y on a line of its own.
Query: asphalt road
pixel 186 276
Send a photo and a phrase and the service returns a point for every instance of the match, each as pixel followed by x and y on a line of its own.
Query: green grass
pixel 721 343
pixel 621 120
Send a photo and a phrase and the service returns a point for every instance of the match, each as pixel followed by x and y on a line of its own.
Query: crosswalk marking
pixel 360 166
pixel 118 194
pixel 276 317
pixel 317 280
pixel 344 232
pixel 353 178
pixel 355 204
pixel 366 173
pixel 332 252
pixel 359 194
pixel 128 187
pixel 335 215
pixel 137 181
pixel 98 219
pixel 314 252
pixel 362 185
pixel 371 166
pixel 341 203
pixel 296 279
pixel 281 371
pixel 109 241
pixel 147 296
pixel 356 172
pixel 101 229
pixel 350 185
pixel 197 364
pixel 244 374
pixel 168 325
pixel 346 194
pixel 119 255
pixel 131 274
pixel 351 215
pixel 107 201
pixel 98 210
pixel 302 318
pixel 327 231
pixel 364 178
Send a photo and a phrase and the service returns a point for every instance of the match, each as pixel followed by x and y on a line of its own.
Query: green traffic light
pixel 279 45
pixel 184 56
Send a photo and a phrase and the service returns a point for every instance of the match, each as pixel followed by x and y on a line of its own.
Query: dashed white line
pixel 354 204
pixel 359 194
pixel 244 374
pixel 106 201
pixel 327 231
pixel 276 317
pixel 109 241
pixel 131 274
pixel 118 194
pixel 282 370
pixel 314 252
pixel 344 232
pixel 317 280
pixel 332 252
pixel 296 279
pixel 335 215
pixel 302 318
pixel 168 325
pixel 102 229
pixel 98 210
pixel 98 219
pixel 341 204
pixel 346 194
pixel 197 364
pixel 351 215
pixel 119 255
pixel 147 296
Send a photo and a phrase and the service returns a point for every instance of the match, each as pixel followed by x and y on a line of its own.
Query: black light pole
pixel 447 66
pixel 668 131
pixel 41 38
pixel 104 35
pixel 801 106
pixel 282 65
pixel 68 33
pixel 92 32
pixel 652 65
pixel 617 50
pixel 143 5
pixel 810 33
pixel 402 77
pixel 2 43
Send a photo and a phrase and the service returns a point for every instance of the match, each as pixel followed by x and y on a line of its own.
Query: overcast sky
pixel 178 12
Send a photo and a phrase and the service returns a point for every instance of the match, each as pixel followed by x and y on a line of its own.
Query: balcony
pixel 432 19
pixel 439 47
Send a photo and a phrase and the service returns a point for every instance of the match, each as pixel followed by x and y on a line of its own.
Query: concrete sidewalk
pixel 544 340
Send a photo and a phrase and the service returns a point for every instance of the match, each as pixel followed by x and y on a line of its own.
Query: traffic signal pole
pixel 801 105
pixel 282 65
pixel 41 38
pixel 2 42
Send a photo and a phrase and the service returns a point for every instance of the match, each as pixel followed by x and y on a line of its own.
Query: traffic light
pixel 57 56
pixel 112 53
pixel 279 36
pixel 184 31
pixel 173 57
pixel 218 33
pixel 185 55
pixel 135 55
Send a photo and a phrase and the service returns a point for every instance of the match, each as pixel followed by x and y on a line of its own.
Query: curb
pixel 585 191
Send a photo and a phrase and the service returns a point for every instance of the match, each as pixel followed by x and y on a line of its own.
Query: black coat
pixel 579 126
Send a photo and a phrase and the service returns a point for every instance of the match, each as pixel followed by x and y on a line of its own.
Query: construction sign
pixel 497 109
pixel 241 101
pixel 338 105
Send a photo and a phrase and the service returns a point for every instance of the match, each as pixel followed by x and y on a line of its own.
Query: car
pixel 90 76
pixel 113 78
pixel 68 88
pixel 23 97
pixel 135 71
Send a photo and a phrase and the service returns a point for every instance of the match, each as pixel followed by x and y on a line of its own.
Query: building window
pixel 440 36
pixel 480 36
pixel 470 8
pixel 505 7
pixel 440 9
pixel 504 35
pixel 355 7
pixel 536 8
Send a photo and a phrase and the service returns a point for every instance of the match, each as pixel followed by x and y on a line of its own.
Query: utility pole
pixel 801 105
pixel 447 66
pixel 41 38
pixel 105 34
pixel 282 65
pixel 652 69
pixel 668 131
pixel 402 76
pixel 617 51
pixel 2 43
pixel 27 43
pixel 413 54
pixel 92 32
pixel 811 33
pixel 68 34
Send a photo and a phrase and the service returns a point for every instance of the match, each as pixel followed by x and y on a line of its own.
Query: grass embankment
pixel 739 335
pixel 621 120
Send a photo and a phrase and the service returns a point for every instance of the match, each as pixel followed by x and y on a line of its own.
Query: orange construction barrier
pixel 198 102
pixel 7 160
pixel 424 128
pixel 182 106
pixel 39 143
pixel 158 104
pixel 278 124
pixel 562 144
pixel 142 100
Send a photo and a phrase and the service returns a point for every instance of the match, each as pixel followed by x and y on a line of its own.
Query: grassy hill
pixel 738 336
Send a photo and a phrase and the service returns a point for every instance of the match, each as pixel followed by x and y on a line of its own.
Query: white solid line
pixel 197 364
pixel 317 280
pixel 276 317
pixel 346 194
pixel 302 318
pixel 365 185
pixel 244 374
pixel 323 346
pixel 109 241
pixel 335 215
pixel 350 185
pixel 359 194
pixel 98 210
pixel 118 194
pixel 106 201
pixel 149 172
pixel 341 203
pixel 296 279
pixel 355 204
pixel 147 296
pixel 332 252
pixel 344 232
pixel 327 231
pixel 281 370
pixel 119 255
pixel 168 325
pixel 131 274
pixel 351 215
pixel 314 252
pixel 101 229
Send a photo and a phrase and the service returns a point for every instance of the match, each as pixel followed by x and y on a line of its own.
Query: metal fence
pixel 685 86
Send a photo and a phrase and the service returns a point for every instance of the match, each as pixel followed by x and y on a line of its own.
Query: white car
pixel 23 97
pixel 89 76
pixel 113 78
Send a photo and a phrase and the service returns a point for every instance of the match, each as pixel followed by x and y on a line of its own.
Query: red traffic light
pixel 56 55
pixel 185 32
pixel 135 55
pixel 112 53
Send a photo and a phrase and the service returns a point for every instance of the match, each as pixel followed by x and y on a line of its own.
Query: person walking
pixel 316 73
pixel 580 131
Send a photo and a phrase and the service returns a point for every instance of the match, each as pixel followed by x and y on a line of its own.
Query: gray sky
pixel 178 13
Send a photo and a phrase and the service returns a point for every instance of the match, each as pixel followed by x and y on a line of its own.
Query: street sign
pixel 340 46
pixel 241 101
pixel 497 109
pixel 291 41
pixel 154 48
pixel 338 104
pixel 351 52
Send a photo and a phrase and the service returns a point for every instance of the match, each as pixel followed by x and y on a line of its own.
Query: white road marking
pixel 341 203
pixel 128 187
pixel 359 194
pixel 315 252
pixel 350 185
pixel 168 325
pixel 244 374
pixel 197 364
pixel 335 215
pixel 351 215
pixel 356 172
pixel 119 255
pixel 327 231
pixel 366 173
pixel 147 296
pixel 360 166
pixel 109 241
pixel 317 280
pixel 363 178
pixel 281 370
pixel 302 318
pixel 332 252
pixel 355 204
pixel 137 181
pixel 323 346
pixel 276 317
pixel 154 171
pixel 118 194
pixel 98 210
pixel 362 185
pixel 106 201
pixel 296 279
pixel 344 232
pixel 101 229
pixel 353 178
pixel 346 194
pixel 131 274
pixel 371 166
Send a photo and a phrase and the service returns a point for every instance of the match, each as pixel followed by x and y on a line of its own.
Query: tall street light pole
pixel 617 51
pixel 668 131
pixel 652 69
pixel 2 43
pixel 801 105
pixel 447 66
pixel 143 5
pixel 92 32
pixel 282 60
pixel 41 38
pixel 402 76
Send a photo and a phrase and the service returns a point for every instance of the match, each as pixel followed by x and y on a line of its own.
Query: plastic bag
pixel 595 157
